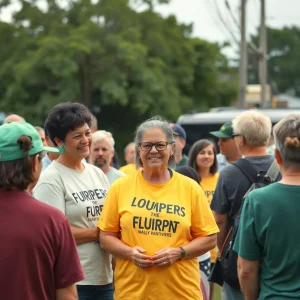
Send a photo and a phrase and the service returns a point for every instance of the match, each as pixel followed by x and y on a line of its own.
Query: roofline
pixel 225 116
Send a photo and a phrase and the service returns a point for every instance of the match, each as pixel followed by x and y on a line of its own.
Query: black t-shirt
pixel 38 253
pixel 232 186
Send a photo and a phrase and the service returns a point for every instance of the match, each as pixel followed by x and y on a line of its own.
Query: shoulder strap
pixel 247 169
pixel 273 171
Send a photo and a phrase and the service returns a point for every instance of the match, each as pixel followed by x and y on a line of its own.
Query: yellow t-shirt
pixel 154 217
pixel 208 185
pixel 128 169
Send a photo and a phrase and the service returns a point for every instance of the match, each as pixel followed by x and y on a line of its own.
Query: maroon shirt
pixel 38 253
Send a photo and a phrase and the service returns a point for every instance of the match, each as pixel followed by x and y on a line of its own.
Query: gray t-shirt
pixel 80 196
pixel 232 186
pixel 113 174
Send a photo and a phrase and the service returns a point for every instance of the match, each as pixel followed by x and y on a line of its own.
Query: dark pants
pixel 95 292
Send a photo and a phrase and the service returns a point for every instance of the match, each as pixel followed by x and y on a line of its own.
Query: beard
pixel 100 163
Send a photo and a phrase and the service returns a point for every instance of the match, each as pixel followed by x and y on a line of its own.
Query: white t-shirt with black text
pixel 80 196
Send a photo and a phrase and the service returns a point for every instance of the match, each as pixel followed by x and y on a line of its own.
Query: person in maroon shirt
pixel 38 256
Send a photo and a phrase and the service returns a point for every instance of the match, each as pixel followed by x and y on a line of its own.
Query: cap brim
pixel 220 134
pixel 50 149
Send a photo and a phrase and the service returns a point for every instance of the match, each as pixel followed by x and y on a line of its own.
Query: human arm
pixel 196 247
pixel 53 194
pixel 249 251
pixel 110 242
pixel 220 206
pixel 85 235
pixel 67 268
pixel 248 272
pixel 67 293
pixel 203 231
pixel 222 221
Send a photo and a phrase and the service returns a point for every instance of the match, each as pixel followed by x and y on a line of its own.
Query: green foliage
pixel 127 64
pixel 284 58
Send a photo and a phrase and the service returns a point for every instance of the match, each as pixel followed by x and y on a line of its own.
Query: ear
pixel 278 157
pixel 243 140
pixel 35 163
pixel 58 142
pixel 173 149
pixel 183 142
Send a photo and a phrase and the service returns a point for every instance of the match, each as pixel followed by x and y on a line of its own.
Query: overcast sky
pixel 207 24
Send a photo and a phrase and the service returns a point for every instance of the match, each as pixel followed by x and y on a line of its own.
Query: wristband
pixel 183 253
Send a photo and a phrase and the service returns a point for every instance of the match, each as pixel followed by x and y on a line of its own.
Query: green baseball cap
pixel 9 135
pixel 226 131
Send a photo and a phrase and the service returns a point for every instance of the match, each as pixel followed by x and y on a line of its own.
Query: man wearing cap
pixel 180 141
pixel 229 152
pixel 39 259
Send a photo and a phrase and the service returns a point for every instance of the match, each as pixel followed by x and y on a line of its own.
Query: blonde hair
pixel 254 126
pixel 287 139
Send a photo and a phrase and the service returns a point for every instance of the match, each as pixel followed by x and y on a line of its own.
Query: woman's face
pixel 78 141
pixel 155 157
pixel 205 158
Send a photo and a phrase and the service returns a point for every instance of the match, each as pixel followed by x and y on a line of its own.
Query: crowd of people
pixel 78 226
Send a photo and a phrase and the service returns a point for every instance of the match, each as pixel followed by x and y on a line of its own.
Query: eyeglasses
pixel 237 134
pixel 159 146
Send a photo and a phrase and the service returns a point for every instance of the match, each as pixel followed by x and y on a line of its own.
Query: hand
pixel 141 260
pixel 166 257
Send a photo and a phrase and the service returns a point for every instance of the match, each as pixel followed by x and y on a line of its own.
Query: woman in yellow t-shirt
pixel 203 159
pixel 164 220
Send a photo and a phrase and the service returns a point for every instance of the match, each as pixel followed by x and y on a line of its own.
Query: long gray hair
pixel 154 122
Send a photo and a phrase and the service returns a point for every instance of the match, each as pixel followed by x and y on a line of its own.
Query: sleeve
pixel 203 222
pixel 110 218
pixel 67 269
pixel 51 194
pixel 246 242
pixel 220 203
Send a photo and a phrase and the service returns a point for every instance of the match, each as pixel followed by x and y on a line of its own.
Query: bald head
pixel 13 118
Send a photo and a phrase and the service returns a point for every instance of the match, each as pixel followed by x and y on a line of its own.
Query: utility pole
pixel 263 55
pixel 243 71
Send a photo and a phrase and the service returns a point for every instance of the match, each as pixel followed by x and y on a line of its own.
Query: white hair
pixel 254 126
pixel 101 135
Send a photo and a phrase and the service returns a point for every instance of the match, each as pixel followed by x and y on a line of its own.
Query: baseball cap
pixel 226 131
pixel 178 130
pixel 9 135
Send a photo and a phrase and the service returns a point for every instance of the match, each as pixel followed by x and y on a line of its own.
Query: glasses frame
pixel 235 135
pixel 155 145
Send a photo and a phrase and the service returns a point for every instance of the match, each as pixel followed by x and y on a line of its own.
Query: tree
pixel 123 64
pixel 283 59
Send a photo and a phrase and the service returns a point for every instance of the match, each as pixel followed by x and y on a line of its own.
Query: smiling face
pixel 101 154
pixel 205 157
pixel 77 142
pixel 153 158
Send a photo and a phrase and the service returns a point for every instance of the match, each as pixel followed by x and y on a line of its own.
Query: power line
pixel 218 24
pixel 229 30
pixel 251 44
